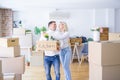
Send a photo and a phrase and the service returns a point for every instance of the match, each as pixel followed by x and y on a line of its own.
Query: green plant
pixel 43 29
pixel 37 30
pixel 46 36
pixel 95 29
pixel 33 47
pixel 90 39
pixel 27 31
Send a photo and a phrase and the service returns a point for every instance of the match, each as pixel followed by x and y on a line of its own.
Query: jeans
pixel 48 62
pixel 65 57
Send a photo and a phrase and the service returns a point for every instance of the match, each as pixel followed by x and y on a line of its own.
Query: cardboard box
pixel 104 38
pixel 97 72
pixel 12 76
pixel 13 65
pixel 27 53
pixel 9 77
pixel 0 67
pixel 1 76
pixel 10 51
pixel 36 61
pixel 18 76
pixel 37 53
pixel 37 58
pixel 114 36
pixel 9 42
pixel 47 45
pixel 75 40
pixel 104 53
pixel 18 31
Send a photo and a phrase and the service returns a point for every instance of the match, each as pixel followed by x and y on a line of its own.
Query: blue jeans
pixel 48 62
pixel 65 57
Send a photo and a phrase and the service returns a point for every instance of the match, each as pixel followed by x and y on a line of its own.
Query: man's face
pixel 52 26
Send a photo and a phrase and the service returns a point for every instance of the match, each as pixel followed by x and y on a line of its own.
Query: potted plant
pixel 41 31
pixel 46 36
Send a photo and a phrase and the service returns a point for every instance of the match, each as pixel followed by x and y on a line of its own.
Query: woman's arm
pixel 59 36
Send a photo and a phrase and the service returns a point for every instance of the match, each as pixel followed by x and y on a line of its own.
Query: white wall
pixel 31 19
pixel 117 20
pixel 79 22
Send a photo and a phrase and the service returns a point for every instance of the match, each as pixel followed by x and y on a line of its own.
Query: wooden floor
pixel 78 72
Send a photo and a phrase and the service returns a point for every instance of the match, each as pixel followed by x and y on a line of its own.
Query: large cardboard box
pixel 104 33
pixel 37 58
pixel 114 36
pixel 18 76
pixel 47 45
pixel 9 42
pixel 10 51
pixel 27 53
pixel 97 72
pixel 9 77
pixel 104 53
pixel 36 61
pixel 75 40
pixel 13 65
pixel 12 76
pixel 37 53
pixel 0 67
pixel 1 76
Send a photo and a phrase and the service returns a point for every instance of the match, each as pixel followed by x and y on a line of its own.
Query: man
pixel 52 57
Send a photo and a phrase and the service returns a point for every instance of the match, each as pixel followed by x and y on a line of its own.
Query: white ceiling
pixel 58 4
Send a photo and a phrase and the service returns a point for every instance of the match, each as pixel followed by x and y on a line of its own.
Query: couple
pixel 63 55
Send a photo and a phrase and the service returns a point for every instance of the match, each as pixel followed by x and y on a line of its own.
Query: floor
pixel 78 72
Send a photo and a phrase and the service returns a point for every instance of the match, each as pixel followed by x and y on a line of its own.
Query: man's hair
pixel 51 23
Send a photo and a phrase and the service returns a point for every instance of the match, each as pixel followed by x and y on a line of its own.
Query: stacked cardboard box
pixel 104 34
pixel 9 47
pixel 16 65
pixel 9 76
pixel 25 41
pixel 18 31
pixel 1 76
pixel 114 36
pixel 12 76
pixel 12 62
pixel 104 60
pixel 75 40
pixel 37 58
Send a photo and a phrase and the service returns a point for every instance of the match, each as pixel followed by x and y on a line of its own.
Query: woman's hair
pixel 65 25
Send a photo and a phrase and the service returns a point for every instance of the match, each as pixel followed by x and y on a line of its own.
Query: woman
pixel 65 51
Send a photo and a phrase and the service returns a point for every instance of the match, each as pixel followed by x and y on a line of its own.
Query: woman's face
pixel 61 27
